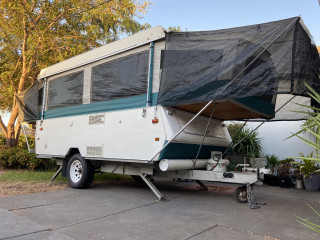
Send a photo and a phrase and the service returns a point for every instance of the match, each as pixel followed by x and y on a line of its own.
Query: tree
pixel 35 34
pixel 175 29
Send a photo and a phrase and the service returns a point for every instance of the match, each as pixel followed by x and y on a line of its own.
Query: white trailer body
pixel 126 135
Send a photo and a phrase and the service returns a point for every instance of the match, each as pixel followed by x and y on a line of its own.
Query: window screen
pixel 120 78
pixel 65 91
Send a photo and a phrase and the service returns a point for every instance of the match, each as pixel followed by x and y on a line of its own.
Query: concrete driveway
pixel 125 210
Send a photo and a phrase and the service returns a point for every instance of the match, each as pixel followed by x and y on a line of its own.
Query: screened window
pixel 120 78
pixel 65 91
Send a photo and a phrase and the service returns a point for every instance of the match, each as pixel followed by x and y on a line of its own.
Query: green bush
pixel 23 143
pixel 272 161
pixel 3 140
pixel 233 129
pixel 251 146
pixel 19 158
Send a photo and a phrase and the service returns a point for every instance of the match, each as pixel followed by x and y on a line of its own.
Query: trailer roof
pixel 136 40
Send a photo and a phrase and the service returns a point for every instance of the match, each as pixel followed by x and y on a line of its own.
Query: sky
pixel 198 15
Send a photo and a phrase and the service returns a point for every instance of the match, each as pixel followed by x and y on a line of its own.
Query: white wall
pixel 273 136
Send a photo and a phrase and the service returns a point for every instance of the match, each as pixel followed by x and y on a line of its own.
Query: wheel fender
pixel 71 152
pixel 64 167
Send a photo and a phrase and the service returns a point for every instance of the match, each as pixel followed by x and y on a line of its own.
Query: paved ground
pixel 124 210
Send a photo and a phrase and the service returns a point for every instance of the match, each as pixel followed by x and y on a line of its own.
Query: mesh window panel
pixel 124 77
pixel 65 91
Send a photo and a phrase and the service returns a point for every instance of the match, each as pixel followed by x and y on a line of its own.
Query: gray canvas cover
pixel 252 61
pixel 28 102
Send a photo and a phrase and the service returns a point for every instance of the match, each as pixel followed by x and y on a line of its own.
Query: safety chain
pixel 250 197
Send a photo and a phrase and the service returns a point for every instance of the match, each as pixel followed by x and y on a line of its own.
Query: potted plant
pixel 298 179
pixel 284 173
pixel 272 163
pixel 311 176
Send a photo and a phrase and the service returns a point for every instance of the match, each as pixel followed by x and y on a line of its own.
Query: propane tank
pixel 216 163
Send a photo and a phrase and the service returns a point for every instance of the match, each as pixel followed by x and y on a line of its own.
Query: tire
pixel 80 172
pixel 240 194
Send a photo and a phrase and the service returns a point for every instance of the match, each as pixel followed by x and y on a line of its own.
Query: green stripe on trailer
pixel 188 151
pixel 133 102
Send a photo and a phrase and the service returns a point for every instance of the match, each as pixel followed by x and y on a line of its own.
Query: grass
pixel 27 176
pixel 34 176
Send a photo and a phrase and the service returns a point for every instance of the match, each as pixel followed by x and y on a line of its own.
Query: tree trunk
pixel 13 128
pixel 14 125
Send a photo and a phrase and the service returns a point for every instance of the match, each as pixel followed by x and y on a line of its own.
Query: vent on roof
pixel 96 119
pixel 94 151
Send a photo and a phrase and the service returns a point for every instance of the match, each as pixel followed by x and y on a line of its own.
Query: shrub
pixel 251 146
pixel 272 161
pixel 234 129
pixel 18 158
pixel 23 143
pixel 3 140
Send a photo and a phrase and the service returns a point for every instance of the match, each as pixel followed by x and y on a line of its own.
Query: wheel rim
pixel 76 171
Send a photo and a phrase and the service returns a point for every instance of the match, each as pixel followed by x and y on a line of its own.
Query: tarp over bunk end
pixel 29 103
pixel 250 71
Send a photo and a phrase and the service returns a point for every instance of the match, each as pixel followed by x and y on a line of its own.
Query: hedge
pixel 19 158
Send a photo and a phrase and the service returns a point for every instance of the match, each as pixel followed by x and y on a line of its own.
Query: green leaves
pixel 272 161
pixel 311 125
pixel 309 164
pixel 308 224
pixel 251 145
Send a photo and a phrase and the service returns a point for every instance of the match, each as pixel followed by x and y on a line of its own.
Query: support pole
pixel 25 135
pixel 44 90
pixel 151 186
pixel 205 134
pixel 202 185
pixel 57 173
pixel 150 74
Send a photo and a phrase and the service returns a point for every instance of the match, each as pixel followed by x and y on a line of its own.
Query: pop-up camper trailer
pixel 154 103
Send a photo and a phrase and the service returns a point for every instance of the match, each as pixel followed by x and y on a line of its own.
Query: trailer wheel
pixel 80 172
pixel 240 194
